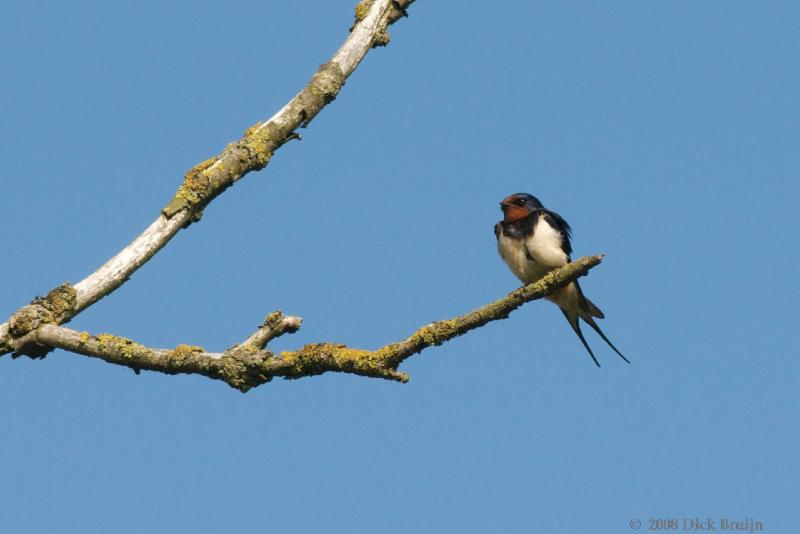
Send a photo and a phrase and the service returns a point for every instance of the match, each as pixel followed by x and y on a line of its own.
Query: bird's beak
pixel 507 202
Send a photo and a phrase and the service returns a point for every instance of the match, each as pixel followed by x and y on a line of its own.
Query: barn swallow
pixel 533 241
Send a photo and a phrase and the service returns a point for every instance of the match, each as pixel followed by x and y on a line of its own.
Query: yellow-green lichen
pixel 254 128
pixel 119 347
pixel 239 371
pixel 273 318
pixel 257 141
pixel 362 8
pixel 84 337
pixel 181 353
pixel 55 307
pixel 387 353
pixel 195 187
pixel 321 90
pixel 318 358
pixel 62 300
pixel 254 150
pixel 357 358
pixel 382 38
pixel 328 79
pixel 436 333
pixel 247 348
pixel 29 318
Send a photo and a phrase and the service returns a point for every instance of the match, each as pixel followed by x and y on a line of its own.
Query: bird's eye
pixel 520 202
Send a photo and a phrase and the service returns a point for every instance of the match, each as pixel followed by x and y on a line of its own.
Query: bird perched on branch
pixel 533 241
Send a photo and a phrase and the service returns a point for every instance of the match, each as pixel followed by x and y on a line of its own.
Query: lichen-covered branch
pixel 241 366
pixel 441 331
pixel 208 179
pixel 249 365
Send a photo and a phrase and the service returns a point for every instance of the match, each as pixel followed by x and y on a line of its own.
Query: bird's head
pixel 518 206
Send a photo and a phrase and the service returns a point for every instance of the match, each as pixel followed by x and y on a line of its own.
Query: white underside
pixel 544 246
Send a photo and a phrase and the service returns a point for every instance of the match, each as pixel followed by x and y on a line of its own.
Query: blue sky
pixel 666 133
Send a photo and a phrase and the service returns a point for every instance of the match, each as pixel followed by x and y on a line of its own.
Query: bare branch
pixel 275 325
pixel 208 179
pixel 246 366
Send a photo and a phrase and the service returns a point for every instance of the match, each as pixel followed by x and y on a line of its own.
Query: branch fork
pixel 208 179
pixel 35 329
